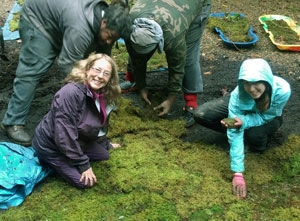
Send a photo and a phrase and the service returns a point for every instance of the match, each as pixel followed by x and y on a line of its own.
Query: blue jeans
pixel 192 82
pixel 212 112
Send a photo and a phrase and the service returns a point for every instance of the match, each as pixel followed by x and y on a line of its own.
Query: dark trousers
pixel 212 112
pixel 96 151
pixel 36 57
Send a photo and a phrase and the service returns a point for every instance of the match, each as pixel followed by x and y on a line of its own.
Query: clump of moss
pixel 14 22
pixel 20 2
pixel 282 32
pixel 230 122
pixel 239 211
pixel 234 27
pixel 147 112
pixel 286 213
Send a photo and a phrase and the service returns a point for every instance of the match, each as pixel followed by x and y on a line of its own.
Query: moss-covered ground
pixel 157 176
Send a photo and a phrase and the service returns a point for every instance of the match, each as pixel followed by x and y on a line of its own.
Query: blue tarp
pixel 7 34
pixel 20 171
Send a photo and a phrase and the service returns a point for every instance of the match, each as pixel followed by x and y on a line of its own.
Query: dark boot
pixel 17 134
pixel 187 116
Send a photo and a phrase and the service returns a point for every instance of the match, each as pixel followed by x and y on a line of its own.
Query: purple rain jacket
pixel 72 122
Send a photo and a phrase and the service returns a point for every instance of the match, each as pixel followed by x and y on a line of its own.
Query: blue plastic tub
pixel 237 45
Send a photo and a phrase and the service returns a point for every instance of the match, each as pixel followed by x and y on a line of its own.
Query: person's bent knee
pixel 256 142
pixel 77 183
pixel 199 114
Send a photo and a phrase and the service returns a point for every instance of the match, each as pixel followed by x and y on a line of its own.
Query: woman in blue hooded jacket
pixel 256 107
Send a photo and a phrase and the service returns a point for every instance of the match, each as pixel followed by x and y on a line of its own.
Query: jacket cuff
pixel 83 167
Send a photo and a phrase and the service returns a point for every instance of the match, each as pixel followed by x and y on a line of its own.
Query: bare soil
pixel 220 65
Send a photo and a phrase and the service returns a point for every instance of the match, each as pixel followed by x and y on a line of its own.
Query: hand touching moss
pixel 144 94
pixel 239 185
pixel 166 105
pixel 88 177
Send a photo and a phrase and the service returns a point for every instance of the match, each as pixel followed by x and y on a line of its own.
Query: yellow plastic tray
pixel 262 19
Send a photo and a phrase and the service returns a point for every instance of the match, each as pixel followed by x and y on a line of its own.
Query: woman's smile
pixel 99 74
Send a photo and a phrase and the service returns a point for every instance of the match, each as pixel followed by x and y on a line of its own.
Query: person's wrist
pixel 172 97
pixel 238 175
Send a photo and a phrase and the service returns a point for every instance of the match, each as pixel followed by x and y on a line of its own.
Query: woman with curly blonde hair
pixel 73 132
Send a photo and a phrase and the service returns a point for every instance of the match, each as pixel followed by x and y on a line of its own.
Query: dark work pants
pixel 96 151
pixel 36 57
pixel 212 112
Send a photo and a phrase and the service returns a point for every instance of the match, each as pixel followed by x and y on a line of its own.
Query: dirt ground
pixel 220 65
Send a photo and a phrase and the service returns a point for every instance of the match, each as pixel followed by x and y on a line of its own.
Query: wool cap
pixel 146 36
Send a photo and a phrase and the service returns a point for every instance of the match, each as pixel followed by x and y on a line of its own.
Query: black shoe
pixel 187 116
pixel 17 134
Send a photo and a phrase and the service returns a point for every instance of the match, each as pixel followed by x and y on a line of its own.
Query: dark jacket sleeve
pixel 139 65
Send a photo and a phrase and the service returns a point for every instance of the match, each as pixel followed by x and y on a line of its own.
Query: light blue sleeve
pixel 236 141
pixel 235 136
pixel 281 94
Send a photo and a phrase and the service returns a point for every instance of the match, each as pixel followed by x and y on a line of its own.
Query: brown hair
pixel 263 102
pixel 112 90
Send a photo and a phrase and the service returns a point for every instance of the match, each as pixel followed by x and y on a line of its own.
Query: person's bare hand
pixel 88 177
pixel 115 145
pixel 166 105
pixel 144 95
pixel 237 123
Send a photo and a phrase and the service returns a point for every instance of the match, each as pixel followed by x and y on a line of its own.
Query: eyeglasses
pixel 100 70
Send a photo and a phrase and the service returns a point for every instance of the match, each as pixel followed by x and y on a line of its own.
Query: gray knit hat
pixel 146 36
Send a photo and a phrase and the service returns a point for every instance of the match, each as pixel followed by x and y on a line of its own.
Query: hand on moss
pixel 166 105
pixel 239 185
pixel 144 94
pixel 88 178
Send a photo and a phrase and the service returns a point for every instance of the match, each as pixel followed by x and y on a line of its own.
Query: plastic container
pixel 237 45
pixel 262 19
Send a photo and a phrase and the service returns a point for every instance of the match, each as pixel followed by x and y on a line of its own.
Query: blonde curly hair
pixel 112 90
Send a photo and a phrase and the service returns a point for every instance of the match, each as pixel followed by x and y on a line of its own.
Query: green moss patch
pixel 234 27
pixel 157 176
pixel 282 32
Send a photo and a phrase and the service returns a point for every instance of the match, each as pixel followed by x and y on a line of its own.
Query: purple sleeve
pixel 68 109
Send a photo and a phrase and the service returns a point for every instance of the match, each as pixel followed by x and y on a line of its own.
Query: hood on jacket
pixel 253 70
